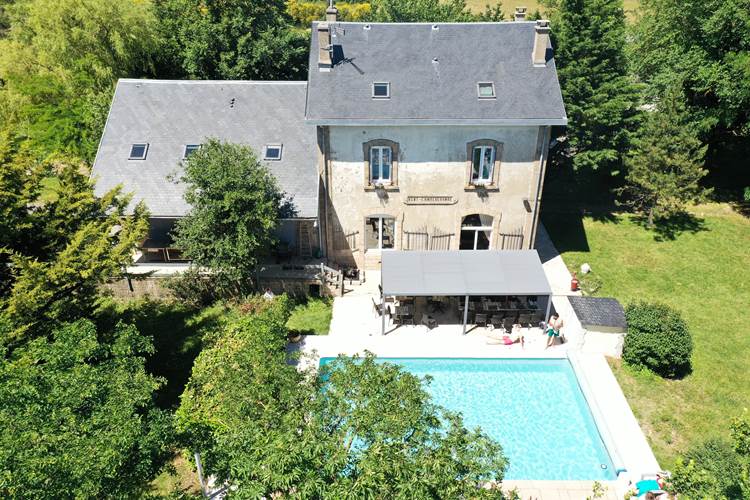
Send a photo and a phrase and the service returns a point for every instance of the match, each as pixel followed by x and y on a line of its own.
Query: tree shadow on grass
pixel 566 227
pixel 668 229
pixel 568 198
pixel 178 334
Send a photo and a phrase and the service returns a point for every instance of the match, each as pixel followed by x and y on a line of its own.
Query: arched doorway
pixel 476 232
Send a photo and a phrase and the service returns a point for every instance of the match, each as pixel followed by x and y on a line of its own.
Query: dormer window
pixel 138 152
pixel 272 152
pixel 190 149
pixel 381 90
pixel 486 90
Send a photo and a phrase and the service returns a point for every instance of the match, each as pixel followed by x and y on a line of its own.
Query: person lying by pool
pixel 553 329
pixel 506 339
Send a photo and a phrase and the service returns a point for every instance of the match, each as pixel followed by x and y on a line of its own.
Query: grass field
pixel 509 6
pixel 701 266
pixel 311 317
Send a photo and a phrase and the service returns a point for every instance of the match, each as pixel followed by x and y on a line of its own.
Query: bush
pixel 657 339
pixel 746 194
pixel 709 470
pixel 196 289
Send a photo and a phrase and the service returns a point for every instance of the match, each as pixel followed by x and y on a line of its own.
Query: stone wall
pixel 432 195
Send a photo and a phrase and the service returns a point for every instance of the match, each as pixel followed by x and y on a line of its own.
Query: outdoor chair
pixel 402 319
pixel 379 308
pixel 429 321
pixel 524 319
pixel 537 317
pixel 508 322
pixel 497 320
pixel 480 319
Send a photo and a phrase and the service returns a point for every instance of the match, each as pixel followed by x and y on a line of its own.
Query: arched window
pixel 476 232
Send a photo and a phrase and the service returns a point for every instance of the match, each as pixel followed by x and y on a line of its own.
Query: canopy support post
pixel 382 314
pixel 549 306
pixel 466 312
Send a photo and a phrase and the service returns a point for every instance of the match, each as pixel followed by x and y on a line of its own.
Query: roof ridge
pixel 425 23
pixel 214 82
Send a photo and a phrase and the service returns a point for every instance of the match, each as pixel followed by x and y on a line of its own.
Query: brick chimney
pixel 331 12
pixel 325 48
pixel 541 40
pixel 520 14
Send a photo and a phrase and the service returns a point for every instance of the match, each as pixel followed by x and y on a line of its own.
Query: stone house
pixel 411 136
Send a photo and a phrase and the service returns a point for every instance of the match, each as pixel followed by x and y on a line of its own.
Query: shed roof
pixel 170 114
pixel 463 272
pixel 433 70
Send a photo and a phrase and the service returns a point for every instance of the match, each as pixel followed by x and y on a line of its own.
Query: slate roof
pixel 599 313
pixel 170 114
pixel 433 74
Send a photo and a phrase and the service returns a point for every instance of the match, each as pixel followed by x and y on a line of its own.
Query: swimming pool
pixel 533 407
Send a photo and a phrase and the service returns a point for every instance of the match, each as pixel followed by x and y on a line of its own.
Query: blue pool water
pixel 534 408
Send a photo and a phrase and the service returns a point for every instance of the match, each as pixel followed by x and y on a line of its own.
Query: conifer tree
pixel 600 98
pixel 665 166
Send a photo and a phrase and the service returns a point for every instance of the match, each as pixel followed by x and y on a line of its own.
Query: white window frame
pixel 379 151
pixel 477 229
pixel 187 146
pixel 387 90
pixel 485 84
pixel 479 180
pixel 280 147
pixel 145 151
pixel 381 220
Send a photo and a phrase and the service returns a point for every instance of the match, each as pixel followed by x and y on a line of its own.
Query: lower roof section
pixel 463 272
pixel 168 115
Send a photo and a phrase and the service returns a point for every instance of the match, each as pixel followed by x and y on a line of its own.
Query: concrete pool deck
pixel 356 328
pixel 617 425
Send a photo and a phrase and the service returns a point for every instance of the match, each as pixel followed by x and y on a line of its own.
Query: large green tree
pixel 59 243
pixel 77 418
pixel 704 45
pixel 59 62
pixel 233 40
pixel 429 11
pixel 665 164
pixel 600 97
pixel 235 206
pixel 358 429
pixel 716 469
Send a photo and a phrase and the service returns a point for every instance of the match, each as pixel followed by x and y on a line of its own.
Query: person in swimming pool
pixel 553 329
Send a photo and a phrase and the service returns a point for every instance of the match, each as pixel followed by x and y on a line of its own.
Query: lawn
pixel 701 266
pixel 510 6
pixel 312 317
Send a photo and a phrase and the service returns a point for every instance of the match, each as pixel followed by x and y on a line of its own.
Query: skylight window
pixel 381 90
pixel 486 90
pixel 272 152
pixel 190 149
pixel 138 152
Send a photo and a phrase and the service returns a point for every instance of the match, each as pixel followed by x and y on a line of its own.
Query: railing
pixel 312 272
pixel 512 240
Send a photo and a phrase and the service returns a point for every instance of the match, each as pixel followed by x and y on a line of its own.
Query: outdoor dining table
pixel 404 310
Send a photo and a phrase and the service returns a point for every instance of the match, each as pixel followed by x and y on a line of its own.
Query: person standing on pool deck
pixel 553 329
